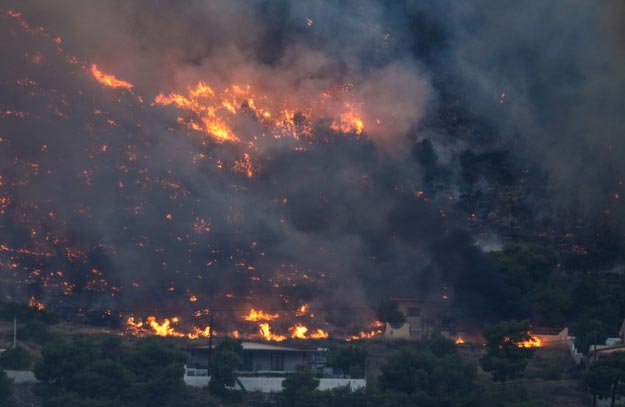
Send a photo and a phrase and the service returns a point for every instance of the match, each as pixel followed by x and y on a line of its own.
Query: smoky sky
pixel 483 122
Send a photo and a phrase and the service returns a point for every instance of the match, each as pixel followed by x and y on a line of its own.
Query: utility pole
pixel 210 342
pixel 14 332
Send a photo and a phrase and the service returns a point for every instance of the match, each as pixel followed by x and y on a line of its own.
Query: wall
pixel 274 384
pixel 21 376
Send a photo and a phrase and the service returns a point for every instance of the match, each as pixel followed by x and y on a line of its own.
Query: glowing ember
pixel 109 80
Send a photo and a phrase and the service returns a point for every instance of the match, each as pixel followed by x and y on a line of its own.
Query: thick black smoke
pixel 496 121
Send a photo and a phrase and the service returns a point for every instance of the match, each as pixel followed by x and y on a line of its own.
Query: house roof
pixel 261 346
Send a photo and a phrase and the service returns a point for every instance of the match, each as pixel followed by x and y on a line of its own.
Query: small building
pixel 264 367
pixel 422 318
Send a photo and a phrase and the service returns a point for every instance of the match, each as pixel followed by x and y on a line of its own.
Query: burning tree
pixel 509 347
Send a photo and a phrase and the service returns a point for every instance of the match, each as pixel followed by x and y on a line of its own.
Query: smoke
pixel 479 120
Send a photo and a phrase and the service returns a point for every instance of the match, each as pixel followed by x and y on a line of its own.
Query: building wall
pixel 261 361
pixel 274 384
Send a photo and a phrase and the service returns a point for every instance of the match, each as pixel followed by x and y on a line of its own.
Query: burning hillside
pixel 278 168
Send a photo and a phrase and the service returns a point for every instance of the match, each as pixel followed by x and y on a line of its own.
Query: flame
pixel 35 304
pixel 375 330
pixel 259 315
pixel 532 342
pixel 459 340
pixel 164 328
pixel 213 112
pixel 298 331
pixel 109 80
pixel 265 332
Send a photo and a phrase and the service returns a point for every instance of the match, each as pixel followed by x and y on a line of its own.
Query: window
pixel 277 362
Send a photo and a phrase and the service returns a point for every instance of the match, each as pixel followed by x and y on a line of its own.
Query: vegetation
pixel 435 375
pixel 388 312
pixel 6 388
pixel 16 358
pixel 349 359
pixel 84 373
pixel 530 269
pixel 605 377
pixel 224 362
pixel 504 358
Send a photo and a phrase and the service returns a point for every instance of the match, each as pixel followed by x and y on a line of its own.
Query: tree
pixel 435 379
pixel 605 377
pixel 299 389
pixel 82 373
pixel 388 311
pixel 505 357
pixel 158 367
pixel 350 359
pixel 6 388
pixel 16 358
pixel 225 361
pixel 36 331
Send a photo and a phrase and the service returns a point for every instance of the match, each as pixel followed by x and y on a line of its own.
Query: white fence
pixel 274 384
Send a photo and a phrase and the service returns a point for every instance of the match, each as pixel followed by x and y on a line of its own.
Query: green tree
pixel 16 358
pixel 505 359
pixel 36 331
pixel 225 360
pixel 6 388
pixel 82 373
pixel 605 377
pixel 61 361
pixel 434 379
pixel 299 390
pixel 158 367
pixel 350 359
pixel 388 311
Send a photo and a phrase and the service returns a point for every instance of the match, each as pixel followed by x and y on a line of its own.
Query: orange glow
pixel 375 330
pixel 459 340
pixel 298 331
pixel 259 315
pixel 35 304
pixel 532 342
pixel 265 332
pixel 109 80
pixel 214 112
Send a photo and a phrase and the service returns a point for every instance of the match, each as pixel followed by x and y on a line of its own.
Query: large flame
pixel 259 315
pixel 214 112
pixel 266 334
pixel 109 80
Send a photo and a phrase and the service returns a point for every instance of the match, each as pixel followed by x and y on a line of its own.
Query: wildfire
pixel 375 330
pixel 164 328
pixel 35 304
pixel 214 112
pixel 532 342
pixel 265 332
pixel 259 315
pixel 109 80
pixel 459 340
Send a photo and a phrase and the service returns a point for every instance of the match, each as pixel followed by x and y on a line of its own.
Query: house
pixel 259 357
pixel 422 318
pixel 264 367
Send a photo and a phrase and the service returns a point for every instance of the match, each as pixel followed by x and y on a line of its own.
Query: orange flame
pixel 259 315
pixel 459 340
pixel 265 332
pixel 109 80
